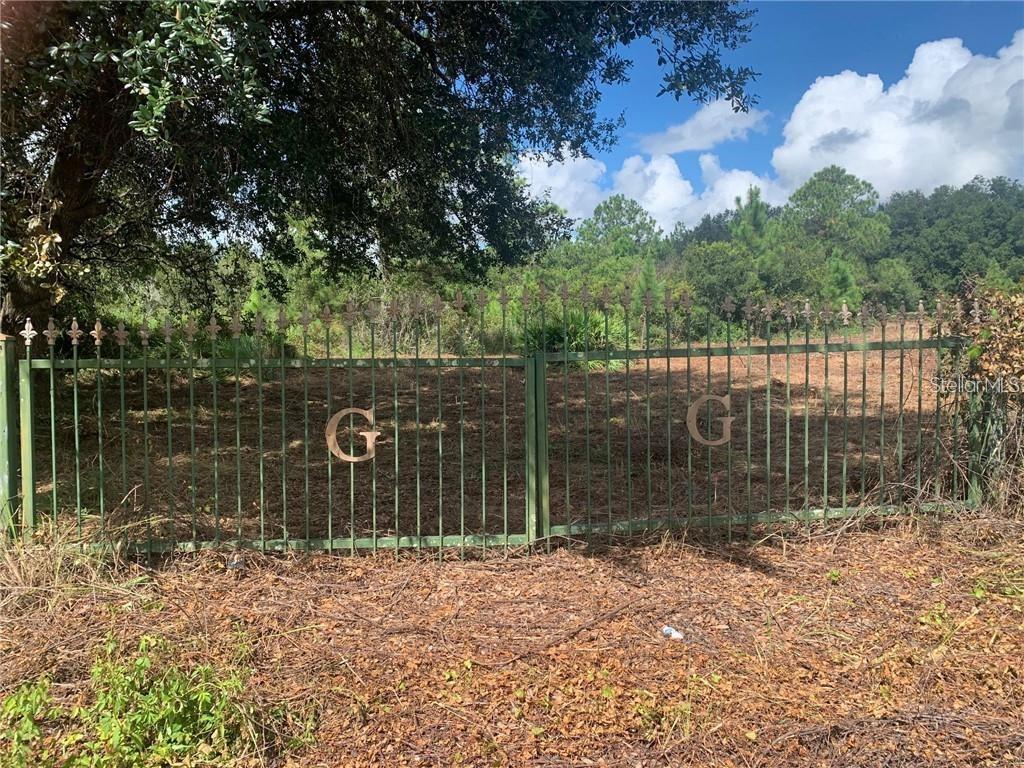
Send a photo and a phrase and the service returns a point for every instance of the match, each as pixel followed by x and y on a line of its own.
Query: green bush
pixel 141 712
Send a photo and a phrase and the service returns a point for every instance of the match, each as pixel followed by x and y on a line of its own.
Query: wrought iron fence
pixel 500 423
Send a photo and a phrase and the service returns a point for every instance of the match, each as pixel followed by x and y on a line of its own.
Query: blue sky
pixel 960 111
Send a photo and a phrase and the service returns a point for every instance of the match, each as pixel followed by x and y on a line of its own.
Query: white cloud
pixel 952 116
pixel 712 124
pixel 656 183
pixel 572 183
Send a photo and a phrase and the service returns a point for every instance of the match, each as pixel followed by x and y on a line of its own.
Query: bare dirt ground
pixel 900 646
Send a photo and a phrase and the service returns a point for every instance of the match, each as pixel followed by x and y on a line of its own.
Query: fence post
pixel 28 478
pixel 8 433
pixel 538 508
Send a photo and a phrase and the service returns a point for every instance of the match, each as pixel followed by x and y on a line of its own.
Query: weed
pixel 142 711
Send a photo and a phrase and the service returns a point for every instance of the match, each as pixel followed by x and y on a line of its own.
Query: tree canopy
pixel 137 135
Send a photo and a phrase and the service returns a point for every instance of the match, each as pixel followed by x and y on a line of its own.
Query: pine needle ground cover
pixel 895 646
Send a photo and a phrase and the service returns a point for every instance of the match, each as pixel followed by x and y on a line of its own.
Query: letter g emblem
pixel 332 435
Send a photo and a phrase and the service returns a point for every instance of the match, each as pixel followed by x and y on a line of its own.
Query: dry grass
pixel 899 646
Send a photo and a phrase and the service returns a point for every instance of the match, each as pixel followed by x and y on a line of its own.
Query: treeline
pixel 833 242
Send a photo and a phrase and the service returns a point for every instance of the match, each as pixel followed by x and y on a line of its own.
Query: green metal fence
pixel 498 423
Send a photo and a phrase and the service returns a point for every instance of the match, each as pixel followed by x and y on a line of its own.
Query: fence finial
pixel 144 333
pixel 788 312
pixel 669 301
pixel 168 330
pixel 437 306
pixel 976 313
pixel 686 302
pixel 282 319
pixel 75 333
pixel 189 330
pixel 28 332
pixel 483 299
pixel 563 293
pixel 351 312
pixel 748 309
pixel 213 327
pixel 807 313
pixel 585 296
pixel 768 309
pixel 503 297
pixel 236 324
pixel 51 333
pixel 728 306
pixel 920 310
pixel 258 325
pixel 883 313
pixel 97 333
pixel 845 314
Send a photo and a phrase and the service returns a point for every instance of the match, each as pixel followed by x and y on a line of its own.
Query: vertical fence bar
pixel 605 304
pixel 728 307
pixel 371 319
pixel 214 329
pixel 75 334
pixel 920 399
pixel 955 429
pixel 900 480
pixel 27 434
pixel 282 332
pixel 687 303
pixel 585 301
pixel 395 311
pixel 668 407
pixel 503 302
pixel 481 303
pixel 51 333
pixel 146 499
pixel 258 343
pixel 325 319
pixel 749 316
pixel 304 321
pixel 461 352
pixel 189 332
pixel 845 316
pixel 9 449
pixel 626 301
pixel 883 316
pixel 807 413
pixel 351 315
pixel 438 309
pixel 864 312
pixel 768 407
pixel 172 495
pixel 826 322
pixel 648 302
pixel 121 336
pixel 97 334
pixel 416 390
pixel 938 399
pixel 236 333
pixel 543 510
pixel 565 398
pixel 707 342
pixel 787 314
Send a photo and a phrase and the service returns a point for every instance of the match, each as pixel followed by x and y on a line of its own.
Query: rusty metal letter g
pixel 691 420
pixel 370 437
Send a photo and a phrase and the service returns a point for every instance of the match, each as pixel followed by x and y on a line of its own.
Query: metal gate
pixel 497 424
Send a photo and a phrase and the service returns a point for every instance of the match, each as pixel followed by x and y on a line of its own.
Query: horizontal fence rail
pixel 500 423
